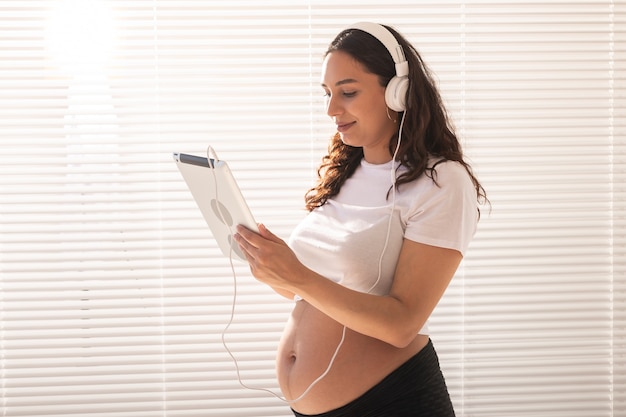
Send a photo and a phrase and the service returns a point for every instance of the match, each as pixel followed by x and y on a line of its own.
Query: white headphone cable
pixel 343 332
pixel 393 205
pixel 211 163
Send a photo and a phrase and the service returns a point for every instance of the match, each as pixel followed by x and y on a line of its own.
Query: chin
pixel 346 140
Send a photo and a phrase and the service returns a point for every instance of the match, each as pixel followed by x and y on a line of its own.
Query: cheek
pixel 377 118
pixel 370 111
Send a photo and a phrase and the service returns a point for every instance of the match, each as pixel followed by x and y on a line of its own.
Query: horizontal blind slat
pixel 113 293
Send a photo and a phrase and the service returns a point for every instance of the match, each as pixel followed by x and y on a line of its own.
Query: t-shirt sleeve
pixel 444 214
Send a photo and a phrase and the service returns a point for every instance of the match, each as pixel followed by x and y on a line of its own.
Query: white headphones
pixel 395 93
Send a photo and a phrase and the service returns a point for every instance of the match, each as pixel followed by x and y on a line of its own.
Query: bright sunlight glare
pixel 80 35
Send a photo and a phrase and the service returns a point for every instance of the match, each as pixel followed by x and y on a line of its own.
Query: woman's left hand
pixel 270 258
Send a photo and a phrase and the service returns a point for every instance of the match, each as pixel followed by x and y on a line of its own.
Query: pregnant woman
pixel 389 221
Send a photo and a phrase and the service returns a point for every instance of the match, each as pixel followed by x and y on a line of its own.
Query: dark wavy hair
pixel 427 130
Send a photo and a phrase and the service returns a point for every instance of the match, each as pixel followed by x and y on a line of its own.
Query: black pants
pixel 416 389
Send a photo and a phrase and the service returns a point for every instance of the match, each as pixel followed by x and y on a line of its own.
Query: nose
pixel 333 106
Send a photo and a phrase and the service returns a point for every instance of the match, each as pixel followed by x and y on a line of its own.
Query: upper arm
pixel 422 275
pixel 439 226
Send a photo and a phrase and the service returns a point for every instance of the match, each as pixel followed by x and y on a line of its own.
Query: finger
pixel 264 231
pixel 244 245
pixel 248 235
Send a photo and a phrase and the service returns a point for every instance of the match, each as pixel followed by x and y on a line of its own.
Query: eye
pixel 349 94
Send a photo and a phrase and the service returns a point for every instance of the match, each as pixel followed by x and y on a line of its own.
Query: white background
pixel 113 295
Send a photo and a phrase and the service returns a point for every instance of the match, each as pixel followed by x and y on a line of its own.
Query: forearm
pixel 285 293
pixel 382 317
pixel 422 274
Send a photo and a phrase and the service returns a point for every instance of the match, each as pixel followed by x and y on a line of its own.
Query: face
pixel 355 101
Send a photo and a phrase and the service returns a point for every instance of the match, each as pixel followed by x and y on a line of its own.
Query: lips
pixel 343 127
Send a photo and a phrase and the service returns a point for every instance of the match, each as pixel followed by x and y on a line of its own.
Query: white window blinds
pixel 113 295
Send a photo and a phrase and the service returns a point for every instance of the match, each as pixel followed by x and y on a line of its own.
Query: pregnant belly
pixel 309 341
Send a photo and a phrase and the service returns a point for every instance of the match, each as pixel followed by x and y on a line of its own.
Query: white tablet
pixel 219 198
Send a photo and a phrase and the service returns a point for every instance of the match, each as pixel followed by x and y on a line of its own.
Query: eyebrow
pixel 342 82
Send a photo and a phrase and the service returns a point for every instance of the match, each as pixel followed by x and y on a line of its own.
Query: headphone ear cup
pixel 395 93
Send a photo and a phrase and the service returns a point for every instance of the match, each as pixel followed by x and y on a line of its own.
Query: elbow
pixel 401 343
pixel 403 336
pixel 403 326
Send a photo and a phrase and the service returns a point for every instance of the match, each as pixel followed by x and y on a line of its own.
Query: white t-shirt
pixel 344 239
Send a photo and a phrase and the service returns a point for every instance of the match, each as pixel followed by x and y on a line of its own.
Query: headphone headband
pixel 396 91
pixel 389 41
